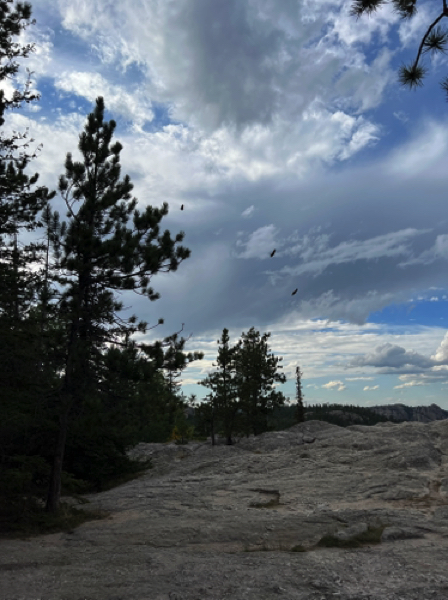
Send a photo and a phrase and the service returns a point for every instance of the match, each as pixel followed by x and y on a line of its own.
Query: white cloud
pixel 392 356
pixel 316 255
pixel 134 106
pixel 423 154
pixel 368 388
pixel 359 378
pixel 249 211
pixel 412 30
pixel 334 385
pixel 260 243
pixel 409 384
pixel 241 75
pixel 441 354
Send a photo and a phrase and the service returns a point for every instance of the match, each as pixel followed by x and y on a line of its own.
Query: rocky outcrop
pixel 400 412
pixel 311 513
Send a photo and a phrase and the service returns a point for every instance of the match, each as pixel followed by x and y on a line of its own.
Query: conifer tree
pixel 20 204
pixel 434 40
pixel 257 372
pixel 300 413
pixel 174 360
pixel 109 246
pixel 223 385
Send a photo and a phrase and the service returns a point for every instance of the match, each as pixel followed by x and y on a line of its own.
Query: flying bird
pixel 294 292
pixel 272 253
pixel 182 207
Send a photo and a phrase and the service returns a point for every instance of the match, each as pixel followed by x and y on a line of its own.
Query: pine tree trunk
pixel 212 430
pixel 54 489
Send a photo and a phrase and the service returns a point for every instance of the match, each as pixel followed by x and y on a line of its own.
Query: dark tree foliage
pixel 71 373
pixel 257 372
pixel 109 246
pixel 243 394
pixel 434 40
pixel 343 414
pixel 23 382
pixel 300 412
pixel 223 401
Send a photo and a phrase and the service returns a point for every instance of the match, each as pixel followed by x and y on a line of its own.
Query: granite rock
pixel 245 521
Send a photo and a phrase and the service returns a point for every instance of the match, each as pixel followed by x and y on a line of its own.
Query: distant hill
pixel 400 412
pixel 344 414
pixel 349 414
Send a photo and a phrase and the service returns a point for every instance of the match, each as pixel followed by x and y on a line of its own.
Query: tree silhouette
pixel 108 247
pixel 434 40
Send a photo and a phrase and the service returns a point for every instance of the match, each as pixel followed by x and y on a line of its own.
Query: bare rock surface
pixel 244 521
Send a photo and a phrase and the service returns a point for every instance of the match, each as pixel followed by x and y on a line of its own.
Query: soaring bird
pixel 272 253
pixel 294 292
pixel 182 207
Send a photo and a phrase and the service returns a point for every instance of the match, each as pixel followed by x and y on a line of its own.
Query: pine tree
pixel 109 246
pixel 300 413
pixel 434 40
pixel 174 361
pixel 257 372
pixel 21 379
pixel 223 385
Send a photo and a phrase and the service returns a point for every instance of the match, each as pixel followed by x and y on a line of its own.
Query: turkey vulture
pixel 272 253
pixel 294 292
pixel 182 207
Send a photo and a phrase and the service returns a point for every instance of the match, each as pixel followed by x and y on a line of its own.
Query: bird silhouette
pixel 182 207
pixel 273 252
pixel 294 292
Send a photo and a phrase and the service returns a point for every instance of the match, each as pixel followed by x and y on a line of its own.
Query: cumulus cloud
pixel 368 388
pixel 334 385
pixel 90 85
pixel 392 356
pixel 243 70
pixel 441 354
pixel 415 369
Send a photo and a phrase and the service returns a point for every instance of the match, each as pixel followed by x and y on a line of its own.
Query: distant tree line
pixel 343 414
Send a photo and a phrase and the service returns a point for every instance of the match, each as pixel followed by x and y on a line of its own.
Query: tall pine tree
pixel 256 374
pixel 223 385
pixel 109 247
pixel 21 381
pixel 300 412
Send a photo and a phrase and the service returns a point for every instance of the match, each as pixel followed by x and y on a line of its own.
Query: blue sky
pixel 278 125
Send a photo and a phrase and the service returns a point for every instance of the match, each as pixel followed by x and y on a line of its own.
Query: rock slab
pixel 247 522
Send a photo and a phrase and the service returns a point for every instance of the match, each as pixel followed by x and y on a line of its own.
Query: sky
pixel 278 125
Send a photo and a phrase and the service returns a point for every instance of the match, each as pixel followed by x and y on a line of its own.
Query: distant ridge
pixel 400 412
